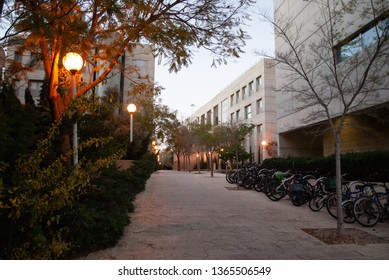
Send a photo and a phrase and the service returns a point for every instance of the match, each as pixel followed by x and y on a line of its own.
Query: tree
pixel 330 73
pixel 102 30
pixel 29 100
pixel 234 136
pixel 175 139
pixel 211 139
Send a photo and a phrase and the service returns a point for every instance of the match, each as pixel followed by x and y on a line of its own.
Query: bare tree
pixel 334 67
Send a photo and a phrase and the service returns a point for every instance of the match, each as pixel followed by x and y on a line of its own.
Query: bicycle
pixel 322 190
pixel 369 210
pixel 296 186
pixel 350 191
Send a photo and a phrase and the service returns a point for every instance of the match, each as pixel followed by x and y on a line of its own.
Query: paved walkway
pixel 194 216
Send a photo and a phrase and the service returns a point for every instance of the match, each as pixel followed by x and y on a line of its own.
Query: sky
pixel 192 87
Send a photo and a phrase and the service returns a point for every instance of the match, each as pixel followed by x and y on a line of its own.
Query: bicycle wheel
pixel 230 176
pixel 332 205
pixel 317 202
pixel 276 193
pixel 366 211
pixel 300 198
pixel 347 208
pixel 260 184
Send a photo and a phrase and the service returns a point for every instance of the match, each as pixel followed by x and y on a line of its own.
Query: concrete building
pixel 251 99
pixel 135 72
pixel 301 128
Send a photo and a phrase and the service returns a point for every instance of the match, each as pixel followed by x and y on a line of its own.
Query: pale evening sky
pixel 199 83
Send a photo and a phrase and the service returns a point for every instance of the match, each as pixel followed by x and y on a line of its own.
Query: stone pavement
pixel 190 216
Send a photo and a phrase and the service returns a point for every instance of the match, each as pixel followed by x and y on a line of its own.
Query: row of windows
pixel 235 116
pixel 242 93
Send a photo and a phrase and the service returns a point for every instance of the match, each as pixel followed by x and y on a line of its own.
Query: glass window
pixel 237 96
pixel 258 83
pixel 259 106
pixel 251 88
pixel 35 87
pixel 247 112
pixel 224 111
pixel 350 49
pixel 140 63
pixel 18 57
pixel 232 100
pixel 209 117
pixel 237 116
pixel 363 40
pixel 243 93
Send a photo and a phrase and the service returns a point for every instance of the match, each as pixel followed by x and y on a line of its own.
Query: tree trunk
pixel 198 161
pixel 178 162
pixel 211 161
pixel 189 167
pixel 340 223
pixel 57 108
pixel 237 168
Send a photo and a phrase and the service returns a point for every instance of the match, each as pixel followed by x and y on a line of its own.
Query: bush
pixel 368 166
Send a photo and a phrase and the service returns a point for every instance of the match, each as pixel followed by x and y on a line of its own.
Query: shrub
pixel 368 166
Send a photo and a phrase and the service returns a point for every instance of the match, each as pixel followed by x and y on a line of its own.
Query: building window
pixel 216 115
pixel 232 120
pixel 258 83
pixel 140 63
pixel 237 116
pixel 251 88
pixel 232 100
pixel 259 106
pixel 224 111
pixel 18 57
pixel 237 95
pixel 209 117
pixel 243 93
pixel 259 130
pixel 363 39
pixel 247 112
pixel 35 87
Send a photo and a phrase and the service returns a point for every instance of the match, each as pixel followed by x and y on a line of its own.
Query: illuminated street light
pixel 73 62
pixel 263 145
pixel 131 108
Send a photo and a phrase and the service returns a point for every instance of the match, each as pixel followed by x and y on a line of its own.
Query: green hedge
pixel 368 166
pixel 93 220
pixel 99 218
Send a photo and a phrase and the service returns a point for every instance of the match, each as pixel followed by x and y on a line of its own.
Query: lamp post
pixel 131 108
pixel 263 145
pixel 73 62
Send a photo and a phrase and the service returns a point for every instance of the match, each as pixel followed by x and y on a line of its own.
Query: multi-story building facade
pixel 250 99
pixel 134 76
pixel 135 69
pixel 367 126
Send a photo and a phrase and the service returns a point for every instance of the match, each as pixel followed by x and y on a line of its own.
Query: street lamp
pixel 131 108
pixel 263 145
pixel 73 62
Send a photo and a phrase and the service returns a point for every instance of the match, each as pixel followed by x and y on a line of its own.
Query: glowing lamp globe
pixel 131 108
pixel 73 62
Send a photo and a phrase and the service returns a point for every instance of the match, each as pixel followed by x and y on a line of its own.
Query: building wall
pixel 134 76
pixel 361 133
pixel 225 107
pixel 293 125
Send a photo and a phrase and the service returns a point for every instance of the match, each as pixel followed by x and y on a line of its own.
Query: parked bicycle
pixel 369 210
pixel 350 191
